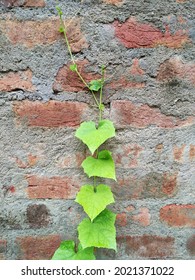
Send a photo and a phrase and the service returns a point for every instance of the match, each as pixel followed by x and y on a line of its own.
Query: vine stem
pixel 71 55
pixel 101 93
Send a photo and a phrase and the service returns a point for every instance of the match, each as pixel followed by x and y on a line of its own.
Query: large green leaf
pixel 93 137
pixel 94 201
pixel 66 251
pixel 100 233
pixel 103 166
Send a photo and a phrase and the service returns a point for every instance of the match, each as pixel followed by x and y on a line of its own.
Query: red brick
pixel 147 246
pixel 114 2
pixel 178 153
pixel 176 68
pixel 124 82
pixel 34 3
pixel 32 33
pixel 135 69
pixel 178 215
pixel 192 152
pixel 127 114
pixel 16 80
pixel 169 184
pixel 139 216
pixel 51 187
pixel 121 219
pixel 66 80
pixel 143 217
pixel 181 1
pixel 191 245
pixel 49 114
pixel 23 3
pixel 152 185
pixel 130 208
pixel 134 34
pixel 37 248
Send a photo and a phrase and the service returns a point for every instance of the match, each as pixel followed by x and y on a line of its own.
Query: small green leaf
pixel 66 251
pixel 101 107
pixel 73 67
pixel 61 29
pixel 100 233
pixel 103 166
pixel 94 201
pixel 95 85
pixel 94 137
pixel 58 9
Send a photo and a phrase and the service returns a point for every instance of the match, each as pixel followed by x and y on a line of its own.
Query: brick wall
pixel 149 50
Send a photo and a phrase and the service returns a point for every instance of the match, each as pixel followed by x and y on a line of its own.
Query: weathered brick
pixel 50 114
pixel 191 245
pixel 73 160
pixel 175 68
pixel 178 215
pixel 178 153
pixel 127 114
pixel 123 83
pixel 66 80
pixel 134 34
pixel 131 215
pixel 8 189
pixel 121 219
pixel 51 187
pixel 32 33
pixel 135 69
pixel 181 1
pixel 16 80
pixel 34 3
pixel 169 183
pixel 147 246
pixel 152 185
pixel 114 2
pixel 143 217
pixel 37 248
pixel 159 148
pixel 192 152
pixel 23 3
pixel 31 160
pixel 132 77
pixel 37 215
pixel 3 246
pixel 127 155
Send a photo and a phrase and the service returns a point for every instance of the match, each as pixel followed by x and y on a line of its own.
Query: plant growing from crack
pixel 98 229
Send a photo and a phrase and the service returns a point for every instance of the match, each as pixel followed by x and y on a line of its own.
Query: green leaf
pixel 94 201
pixel 95 85
pixel 94 137
pixel 66 251
pixel 73 67
pixel 103 166
pixel 58 9
pixel 101 107
pixel 100 233
pixel 61 29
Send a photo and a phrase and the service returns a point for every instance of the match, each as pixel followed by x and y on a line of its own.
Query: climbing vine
pixel 98 229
